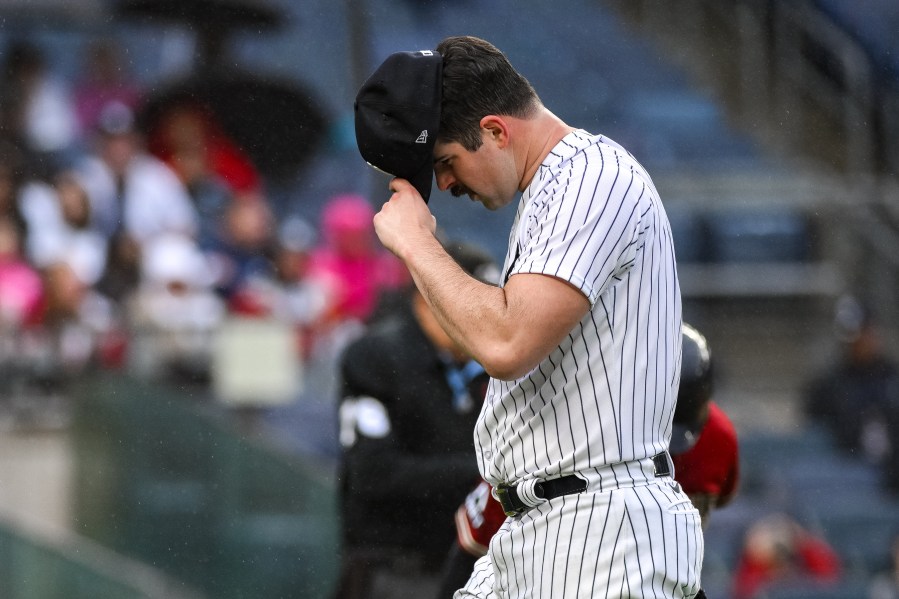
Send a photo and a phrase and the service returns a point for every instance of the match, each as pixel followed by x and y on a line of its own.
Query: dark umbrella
pixel 218 13
pixel 276 122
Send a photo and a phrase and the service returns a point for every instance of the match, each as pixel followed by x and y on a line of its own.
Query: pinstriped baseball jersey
pixel 606 394
pixel 601 404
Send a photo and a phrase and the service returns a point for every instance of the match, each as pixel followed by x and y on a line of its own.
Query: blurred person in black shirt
pixel 856 397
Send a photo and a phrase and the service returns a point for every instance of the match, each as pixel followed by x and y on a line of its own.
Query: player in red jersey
pixel 704 442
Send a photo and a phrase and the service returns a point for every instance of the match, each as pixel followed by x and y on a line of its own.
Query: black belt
pixel 513 505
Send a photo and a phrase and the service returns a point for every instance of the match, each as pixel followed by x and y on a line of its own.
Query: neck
pixel 544 131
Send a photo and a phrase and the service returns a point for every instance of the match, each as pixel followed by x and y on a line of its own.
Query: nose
pixel 445 180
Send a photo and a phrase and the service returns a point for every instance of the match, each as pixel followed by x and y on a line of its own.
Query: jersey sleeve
pixel 587 225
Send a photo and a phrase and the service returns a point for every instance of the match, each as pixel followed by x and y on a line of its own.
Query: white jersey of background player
pixel 583 338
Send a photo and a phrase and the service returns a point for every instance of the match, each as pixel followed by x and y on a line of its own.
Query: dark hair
pixel 479 80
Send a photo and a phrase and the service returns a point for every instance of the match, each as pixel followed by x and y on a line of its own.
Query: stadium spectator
pixel 298 299
pixel 21 297
pixel 75 325
pixel 69 328
pixel 777 550
pixel 853 396
pixel 21 290
pixel 104 78
pixel 13 177
pixel 241 254
pixel 133 197
pixel 188 137
pixel 174 313
pixel 37 107
pixel 180 140
pixel 351 261
pixel 59 225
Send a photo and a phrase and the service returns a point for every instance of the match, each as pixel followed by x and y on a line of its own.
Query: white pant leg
pixel 642 541
pixel 480 584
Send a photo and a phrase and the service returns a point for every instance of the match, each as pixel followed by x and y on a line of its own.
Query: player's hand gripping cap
pixel 397 116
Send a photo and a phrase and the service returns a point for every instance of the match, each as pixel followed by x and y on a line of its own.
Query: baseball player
pixel 704 444
pixel 582 338
pixel 703 448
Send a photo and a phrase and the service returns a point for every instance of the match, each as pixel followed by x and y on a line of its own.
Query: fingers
pixel 397 185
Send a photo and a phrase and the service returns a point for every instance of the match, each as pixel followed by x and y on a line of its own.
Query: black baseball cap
pixel 398 114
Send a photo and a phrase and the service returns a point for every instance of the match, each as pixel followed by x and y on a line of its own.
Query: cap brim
pixel 423 181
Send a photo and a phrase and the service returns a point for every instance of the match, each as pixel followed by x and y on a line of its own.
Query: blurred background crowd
pixel 135 223
pixel 182 207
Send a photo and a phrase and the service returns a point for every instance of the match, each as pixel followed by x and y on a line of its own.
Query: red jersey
pixel 709 470
pixel 711 466
pixel 478 519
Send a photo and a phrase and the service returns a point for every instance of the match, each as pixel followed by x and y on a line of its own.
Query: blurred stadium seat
pixel 849 589
pixel 764 234
pixel 167 481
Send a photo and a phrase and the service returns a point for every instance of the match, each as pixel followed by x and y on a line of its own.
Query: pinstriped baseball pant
pixel 637 541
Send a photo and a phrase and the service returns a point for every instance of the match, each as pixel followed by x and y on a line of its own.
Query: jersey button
pixel 488 455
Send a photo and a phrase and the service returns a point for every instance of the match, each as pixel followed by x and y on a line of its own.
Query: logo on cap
pixel 422 137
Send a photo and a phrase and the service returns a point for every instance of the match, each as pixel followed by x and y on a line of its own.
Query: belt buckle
pixel 662 464
pixel 508 499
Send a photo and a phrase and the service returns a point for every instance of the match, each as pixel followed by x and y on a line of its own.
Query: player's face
pixel 486 175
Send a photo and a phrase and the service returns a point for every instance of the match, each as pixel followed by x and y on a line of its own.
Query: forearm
pixel 476 315
pixel 508 329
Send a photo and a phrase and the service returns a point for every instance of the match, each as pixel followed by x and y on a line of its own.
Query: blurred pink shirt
pixel 350 260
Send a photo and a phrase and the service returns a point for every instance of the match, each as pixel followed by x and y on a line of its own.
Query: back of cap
pixel 397 114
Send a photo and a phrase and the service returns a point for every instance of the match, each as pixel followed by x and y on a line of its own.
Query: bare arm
pixel 508 330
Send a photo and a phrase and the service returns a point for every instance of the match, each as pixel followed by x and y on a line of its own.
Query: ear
pixel 496 128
